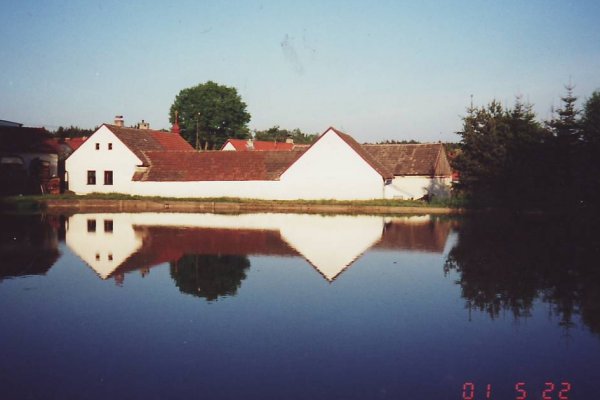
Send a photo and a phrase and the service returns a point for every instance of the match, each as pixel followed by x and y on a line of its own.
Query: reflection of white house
pixel 117 243
pixel 103 241
pixel 151 163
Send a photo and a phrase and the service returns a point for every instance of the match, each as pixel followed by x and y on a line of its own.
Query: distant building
pixel 28 161
pixel 10 124
pixel 257 145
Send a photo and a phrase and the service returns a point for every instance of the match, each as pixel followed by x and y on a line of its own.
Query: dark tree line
pixel 277 134
pixel 508 158
pixel 506 264
pixel 73 131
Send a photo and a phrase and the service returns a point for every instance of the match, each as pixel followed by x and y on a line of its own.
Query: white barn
pixel 151 163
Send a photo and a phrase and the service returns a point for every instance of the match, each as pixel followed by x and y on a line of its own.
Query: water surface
pixel 297 307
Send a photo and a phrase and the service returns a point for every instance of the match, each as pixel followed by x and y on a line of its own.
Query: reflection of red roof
pixel 165 244
pixel 259 145
pixel 161 244
pixel 427 236
pixel 141 140
pixel 216 165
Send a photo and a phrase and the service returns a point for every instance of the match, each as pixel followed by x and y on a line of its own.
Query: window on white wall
pixel 91 177
pixel 108 177
pixel 97 146
pixel 110 146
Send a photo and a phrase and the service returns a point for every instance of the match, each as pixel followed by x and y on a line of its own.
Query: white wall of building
pixel 415 187
pixel 242 189
pixel 331 169
pixel 120 160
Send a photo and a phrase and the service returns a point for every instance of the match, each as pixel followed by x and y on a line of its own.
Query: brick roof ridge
pixel 140 140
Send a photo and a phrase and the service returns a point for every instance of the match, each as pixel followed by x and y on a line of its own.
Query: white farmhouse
pixel 109 159
pixel 335 166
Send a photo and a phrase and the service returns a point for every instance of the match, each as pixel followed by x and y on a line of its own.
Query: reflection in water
pixel 28 244
pixel 506 264
pixel 114 244
pixel 209 276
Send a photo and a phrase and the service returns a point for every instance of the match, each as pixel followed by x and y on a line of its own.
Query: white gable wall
pixel 228 147
pixel 331 169
pixel 120 160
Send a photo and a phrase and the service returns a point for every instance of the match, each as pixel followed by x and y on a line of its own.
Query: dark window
pixel 97 257
pixel 108 177
pixel 108 225
pixel 91 225
pixel 97 146
pixel 110 146
pixel 91 179
pixel 110 258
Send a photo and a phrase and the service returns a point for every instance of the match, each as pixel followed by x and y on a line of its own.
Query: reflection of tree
pixel 209 276
pixel 508 263
pixel 28 244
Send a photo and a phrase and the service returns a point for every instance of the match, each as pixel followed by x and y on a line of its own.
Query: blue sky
pixel 375 69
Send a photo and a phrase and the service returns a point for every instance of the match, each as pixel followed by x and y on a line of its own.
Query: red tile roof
pixel 259 145
pixel 411 159
pixel 76 142
pixel 216 165
pixel 144 140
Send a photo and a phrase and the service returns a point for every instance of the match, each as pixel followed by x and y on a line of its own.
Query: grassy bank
pixel 125 203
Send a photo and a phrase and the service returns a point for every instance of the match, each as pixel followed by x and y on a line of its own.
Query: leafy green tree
pixel 210 276
pixel 278 134
pixel 209 114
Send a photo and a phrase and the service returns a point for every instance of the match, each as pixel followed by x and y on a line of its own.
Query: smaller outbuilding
pixel 28 160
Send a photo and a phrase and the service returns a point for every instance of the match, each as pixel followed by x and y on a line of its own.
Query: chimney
pixel 119 121
pixel 175 127
pixel 289 140
pixel 250 144
pixel 144 125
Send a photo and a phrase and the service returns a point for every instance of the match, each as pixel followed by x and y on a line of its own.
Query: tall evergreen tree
pixel 565 123
pixel 500 162
pixel 566 130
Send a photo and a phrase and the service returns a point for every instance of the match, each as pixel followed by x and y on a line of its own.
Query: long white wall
pixel 120 160
pixel 329 170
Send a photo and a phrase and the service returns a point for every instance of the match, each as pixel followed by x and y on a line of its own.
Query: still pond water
pixel 282 306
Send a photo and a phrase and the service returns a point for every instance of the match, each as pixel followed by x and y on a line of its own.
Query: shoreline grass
pixel 32 203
